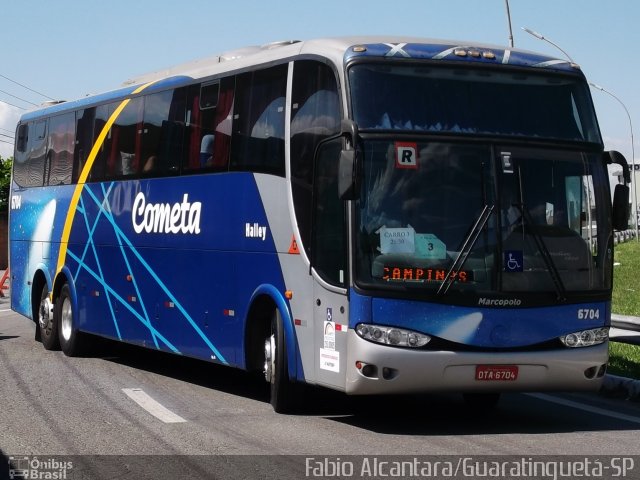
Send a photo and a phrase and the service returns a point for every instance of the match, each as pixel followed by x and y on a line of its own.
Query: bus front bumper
pixel 380 369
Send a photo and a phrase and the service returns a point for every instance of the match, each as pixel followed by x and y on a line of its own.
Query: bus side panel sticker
pixel 329 335
pixel 330 360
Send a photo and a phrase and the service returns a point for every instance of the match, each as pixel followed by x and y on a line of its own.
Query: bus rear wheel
pixel 275 367
pixel 47 326
pixel 68 333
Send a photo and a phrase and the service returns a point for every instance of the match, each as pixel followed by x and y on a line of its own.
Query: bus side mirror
pixel 620 217
pixel 620 213
pixel 617 158
pixel 348 163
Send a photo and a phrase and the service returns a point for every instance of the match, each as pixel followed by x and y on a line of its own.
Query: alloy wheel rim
pixel 66 318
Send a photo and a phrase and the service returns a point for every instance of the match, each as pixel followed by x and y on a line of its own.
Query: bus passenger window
pixel 223 121
pixel 62 134
pixel 123 159
pixel 102 114
pixel 258 122
pixel 162 132
pixel 21 156
pixel 208 125
pixel 37 146
pixel 84 141
pixel 29 165
pixel 21 145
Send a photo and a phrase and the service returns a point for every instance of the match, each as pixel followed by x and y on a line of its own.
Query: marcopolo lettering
pixel 166 218
pixel 499 302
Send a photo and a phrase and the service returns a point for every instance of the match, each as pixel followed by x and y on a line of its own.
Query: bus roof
pixel 340 50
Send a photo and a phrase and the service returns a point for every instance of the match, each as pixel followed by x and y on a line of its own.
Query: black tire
pixel 282 390
pixel 481 402
pixel 71 341
pixel 36 316
pixel 47 325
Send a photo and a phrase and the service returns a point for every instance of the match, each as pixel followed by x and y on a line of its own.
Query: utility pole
pixel 509 21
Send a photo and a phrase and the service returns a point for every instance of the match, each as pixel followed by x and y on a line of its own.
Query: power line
pixel 4 141
pixel 9 103
pixel 18 98
pixel 24 86
pixel 8 136
pixel 6 130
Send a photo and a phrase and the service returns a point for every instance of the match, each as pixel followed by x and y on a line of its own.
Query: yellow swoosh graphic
pixel 71 212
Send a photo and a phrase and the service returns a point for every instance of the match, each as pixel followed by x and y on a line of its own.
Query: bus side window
pixel 223 121
pixel 315 116
pixel 329 235
pixel 37 149
pixel 257 143
pixel 162 132
pixel 208 126
pixel 124 158
pixel 98 169
pixel 21 155
pixel 22 136
pixel 60 151
pixel 84 140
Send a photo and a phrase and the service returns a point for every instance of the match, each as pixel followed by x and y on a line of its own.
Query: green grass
pixel 626 279
pixel 624 359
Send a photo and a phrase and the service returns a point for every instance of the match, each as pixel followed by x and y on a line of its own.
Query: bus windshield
pixel 482 218
pixel 438 99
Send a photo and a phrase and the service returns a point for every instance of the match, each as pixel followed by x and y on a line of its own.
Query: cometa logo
pixel 166 218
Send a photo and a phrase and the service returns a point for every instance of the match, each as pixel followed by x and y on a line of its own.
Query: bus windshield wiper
pixel 467 245
pixel 542 247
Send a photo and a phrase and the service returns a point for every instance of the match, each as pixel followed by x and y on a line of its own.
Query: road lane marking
pixel 586 408
pixel 152 406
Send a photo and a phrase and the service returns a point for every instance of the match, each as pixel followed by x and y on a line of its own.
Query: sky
pixel 67 49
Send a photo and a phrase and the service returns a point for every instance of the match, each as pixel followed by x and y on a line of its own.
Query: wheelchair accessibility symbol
pixel 513 261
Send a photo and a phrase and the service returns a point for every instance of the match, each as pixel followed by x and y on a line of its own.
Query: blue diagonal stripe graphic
pixel 107 210
pixel 115 295
pixel 90 244
pixel 123 238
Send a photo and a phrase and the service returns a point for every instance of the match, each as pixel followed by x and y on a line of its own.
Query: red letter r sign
pixel 406 155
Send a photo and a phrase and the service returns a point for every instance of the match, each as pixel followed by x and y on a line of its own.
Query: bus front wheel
pixel 275 366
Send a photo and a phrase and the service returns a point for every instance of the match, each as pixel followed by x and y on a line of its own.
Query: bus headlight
pixel 397 337
pixel 585 338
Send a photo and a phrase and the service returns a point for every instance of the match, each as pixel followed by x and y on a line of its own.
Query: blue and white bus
pixel 372 215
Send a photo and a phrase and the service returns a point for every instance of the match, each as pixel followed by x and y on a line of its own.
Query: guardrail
pixel 623 236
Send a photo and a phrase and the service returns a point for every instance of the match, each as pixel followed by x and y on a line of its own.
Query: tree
pixel 5 182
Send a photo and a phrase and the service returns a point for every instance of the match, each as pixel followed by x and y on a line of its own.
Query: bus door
pixel 330 319
pixel 329 261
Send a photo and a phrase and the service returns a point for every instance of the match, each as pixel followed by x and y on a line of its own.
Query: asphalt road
pixel 54 405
